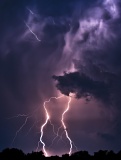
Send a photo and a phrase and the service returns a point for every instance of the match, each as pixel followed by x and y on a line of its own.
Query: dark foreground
pixel 15 154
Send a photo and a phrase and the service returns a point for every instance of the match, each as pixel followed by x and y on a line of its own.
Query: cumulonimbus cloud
pixel 96 53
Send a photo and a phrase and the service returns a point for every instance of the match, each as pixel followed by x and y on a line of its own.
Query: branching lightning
pixel 25 122
pixel 32 32
pixel 45 123
pixel 57 134
pixel 47 119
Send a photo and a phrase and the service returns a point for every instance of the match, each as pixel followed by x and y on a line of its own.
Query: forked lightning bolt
pixel 63 125
pixel 46 121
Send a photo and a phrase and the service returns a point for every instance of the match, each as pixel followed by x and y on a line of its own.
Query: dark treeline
pixel 16 154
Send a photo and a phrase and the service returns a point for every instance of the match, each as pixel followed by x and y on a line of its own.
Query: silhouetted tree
pixel 100 155
pixel 12 154
pixel 35 156
pixel 81 155
pixel 54 158
pixel 110 155
pixel 118 155
pixel 65 156
pixel 16 154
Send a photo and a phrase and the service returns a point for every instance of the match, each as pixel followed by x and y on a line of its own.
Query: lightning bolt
pixel 57 134
pixel 44 124
pixel 64 125
pixel 32 32
pixel 47 119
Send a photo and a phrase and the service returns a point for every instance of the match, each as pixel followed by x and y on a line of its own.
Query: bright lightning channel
pixel 32 32
pixel 63 125
pixel 45 123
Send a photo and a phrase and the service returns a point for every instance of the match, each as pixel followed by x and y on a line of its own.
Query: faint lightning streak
pixel 20 129
pixel 53 127
pixel 54 133
pixel 30 10
pixel 57 135
pixel 32 32
pixel 45 123
pixel 64 126
pixel 23 115
pixel 17 116
pixel 31 127
pixel 61 138
pixel 75 146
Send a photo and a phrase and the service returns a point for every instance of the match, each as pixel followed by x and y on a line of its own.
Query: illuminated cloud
pixel 95 51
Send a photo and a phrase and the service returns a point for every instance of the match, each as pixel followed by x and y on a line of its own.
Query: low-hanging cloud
pixel 83 86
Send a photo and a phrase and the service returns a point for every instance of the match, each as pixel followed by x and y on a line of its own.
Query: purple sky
pixel 49 48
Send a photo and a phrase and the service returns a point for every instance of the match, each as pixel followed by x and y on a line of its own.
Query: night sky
pixel 57 47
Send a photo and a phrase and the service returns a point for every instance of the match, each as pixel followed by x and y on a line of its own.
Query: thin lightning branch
pixel 32 32
pixel 17 116
pixel 54 133
pixel 64 125
pixel 19 130
pixel 22 115
pixel 75 146
pixel 45 123
pixel 61 138
pixel 31 127
pixel 53 127
pixel 57 135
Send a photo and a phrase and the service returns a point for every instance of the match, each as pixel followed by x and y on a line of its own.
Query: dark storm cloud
pixel 82 86
pixel 96 44
pixel 24 59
